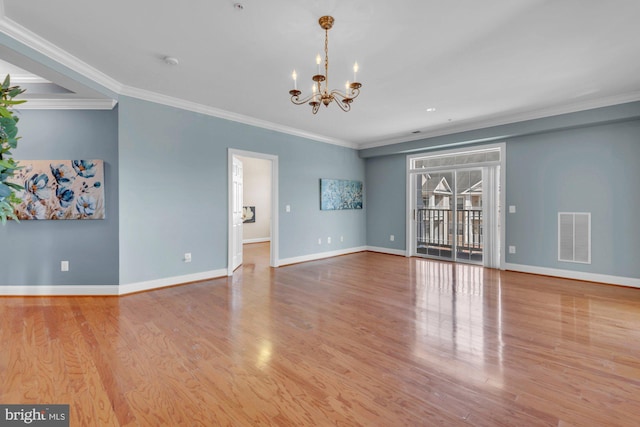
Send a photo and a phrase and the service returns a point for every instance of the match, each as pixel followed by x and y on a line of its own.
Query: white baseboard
pixel 130 288
pixel 257 240
pixel 321 255
pixel 97 290
pixel 389 251
pixel 63 290
pixel 577 275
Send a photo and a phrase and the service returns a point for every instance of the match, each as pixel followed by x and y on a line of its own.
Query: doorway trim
pixel 410 223
pixel 274 246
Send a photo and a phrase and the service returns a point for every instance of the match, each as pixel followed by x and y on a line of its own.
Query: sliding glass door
pixel 454 205
pixel 448 214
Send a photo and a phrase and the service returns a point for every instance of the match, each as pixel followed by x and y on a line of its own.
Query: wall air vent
pixel 574 237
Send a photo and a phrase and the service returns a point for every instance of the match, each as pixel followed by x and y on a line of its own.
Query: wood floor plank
pixel 365 339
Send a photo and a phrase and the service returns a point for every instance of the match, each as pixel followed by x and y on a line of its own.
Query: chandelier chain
pixel 326 60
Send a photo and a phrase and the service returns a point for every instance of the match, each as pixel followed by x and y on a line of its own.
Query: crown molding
pixel 53 52
pixel 67 104
pixel 48 49
pixel 227 115
pixel 512 118
pixel 28 79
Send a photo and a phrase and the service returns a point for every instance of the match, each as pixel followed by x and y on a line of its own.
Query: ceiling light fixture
pixel 320 94
pixel 170 60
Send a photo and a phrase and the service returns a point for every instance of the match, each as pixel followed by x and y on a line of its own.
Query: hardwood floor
pixel 364 339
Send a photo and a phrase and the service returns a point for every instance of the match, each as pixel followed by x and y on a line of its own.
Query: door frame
pixel 274 245
pixel 410 221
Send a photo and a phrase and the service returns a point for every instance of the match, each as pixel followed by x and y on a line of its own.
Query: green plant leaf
pixel 7 164
pixel 12 102
pixel 8 141
pixel 15 91
pixel 14 186
pixel 5 191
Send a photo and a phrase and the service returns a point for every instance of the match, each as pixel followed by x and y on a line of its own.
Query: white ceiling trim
pixel 27 79
pixel 67 104
pixel 513 118
pixel 43 46
pixel 227 115
pixel 37 43
pixel 27 37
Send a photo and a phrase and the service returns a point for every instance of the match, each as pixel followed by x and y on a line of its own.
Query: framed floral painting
pixel 337 194
pixel 61 189
pixel 248 214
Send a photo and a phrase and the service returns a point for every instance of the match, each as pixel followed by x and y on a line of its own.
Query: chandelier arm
pixel 343 101
pixel 344 106
pixel 339 94
pixel 296 99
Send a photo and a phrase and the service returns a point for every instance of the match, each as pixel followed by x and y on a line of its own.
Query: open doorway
pixel 245 168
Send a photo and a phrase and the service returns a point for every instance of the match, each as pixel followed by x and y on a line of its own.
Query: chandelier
pixel 320 93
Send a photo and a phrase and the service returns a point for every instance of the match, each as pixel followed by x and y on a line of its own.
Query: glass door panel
pixel 449 215
pixel 434 214
pixel 469 215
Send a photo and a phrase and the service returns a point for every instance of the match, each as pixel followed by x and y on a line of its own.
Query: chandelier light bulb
pixel 355 72
pixel 295 79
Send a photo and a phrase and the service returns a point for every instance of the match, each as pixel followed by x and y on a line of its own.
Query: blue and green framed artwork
pixel 337 194
pixel 60 189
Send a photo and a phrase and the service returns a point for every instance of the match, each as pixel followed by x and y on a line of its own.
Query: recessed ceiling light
pixel 170 60
pixel 431 109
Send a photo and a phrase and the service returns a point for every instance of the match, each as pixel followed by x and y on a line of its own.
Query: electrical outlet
pixel 512 209
pixel 392 238
pixel 342 238
pixel 287 208
pixel 329 240
pixel 64 265
pixel 512 249
pixel 187 257
pixel 320 240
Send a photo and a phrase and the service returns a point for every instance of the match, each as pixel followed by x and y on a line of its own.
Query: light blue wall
pixel 579 168
pixel 387 201
pixel 592 169
pixel 173 190
pixel 36 248
pixel 166 176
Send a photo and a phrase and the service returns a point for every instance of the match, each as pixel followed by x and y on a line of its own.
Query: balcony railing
pixel 435 230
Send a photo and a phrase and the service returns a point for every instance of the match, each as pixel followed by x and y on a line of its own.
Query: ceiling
pixel 478 63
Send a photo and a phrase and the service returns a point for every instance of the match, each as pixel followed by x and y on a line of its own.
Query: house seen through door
pixel 455 206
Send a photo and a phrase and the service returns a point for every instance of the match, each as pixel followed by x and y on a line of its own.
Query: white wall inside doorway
pixel 257 193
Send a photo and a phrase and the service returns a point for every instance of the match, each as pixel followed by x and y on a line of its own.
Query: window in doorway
pixel 454 205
